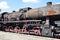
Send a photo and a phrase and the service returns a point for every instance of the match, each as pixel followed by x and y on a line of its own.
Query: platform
pixel 17 36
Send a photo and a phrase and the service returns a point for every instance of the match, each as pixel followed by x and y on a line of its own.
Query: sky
pixel 10 5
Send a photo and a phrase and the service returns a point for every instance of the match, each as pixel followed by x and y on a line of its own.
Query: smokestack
pixel 49 4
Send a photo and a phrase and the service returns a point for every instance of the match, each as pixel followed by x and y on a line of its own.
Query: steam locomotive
pixel 44 20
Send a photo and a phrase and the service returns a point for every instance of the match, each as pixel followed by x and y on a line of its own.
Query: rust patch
pixel 51 12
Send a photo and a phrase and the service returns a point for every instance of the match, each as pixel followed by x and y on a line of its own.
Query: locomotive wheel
pixel 16 29
pixel 10 29
pixel 4 28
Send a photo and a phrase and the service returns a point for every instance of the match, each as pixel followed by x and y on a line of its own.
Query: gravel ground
pixel 16 36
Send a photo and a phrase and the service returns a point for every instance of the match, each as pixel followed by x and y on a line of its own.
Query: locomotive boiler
pixel 28 12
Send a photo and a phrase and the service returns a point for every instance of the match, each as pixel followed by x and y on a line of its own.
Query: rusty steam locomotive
pixel 44 21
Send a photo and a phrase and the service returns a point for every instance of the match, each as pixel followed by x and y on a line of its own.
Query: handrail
pixel 20 21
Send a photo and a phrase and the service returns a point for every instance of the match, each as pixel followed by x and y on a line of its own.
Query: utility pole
pixel 0 13
pixel 0 10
